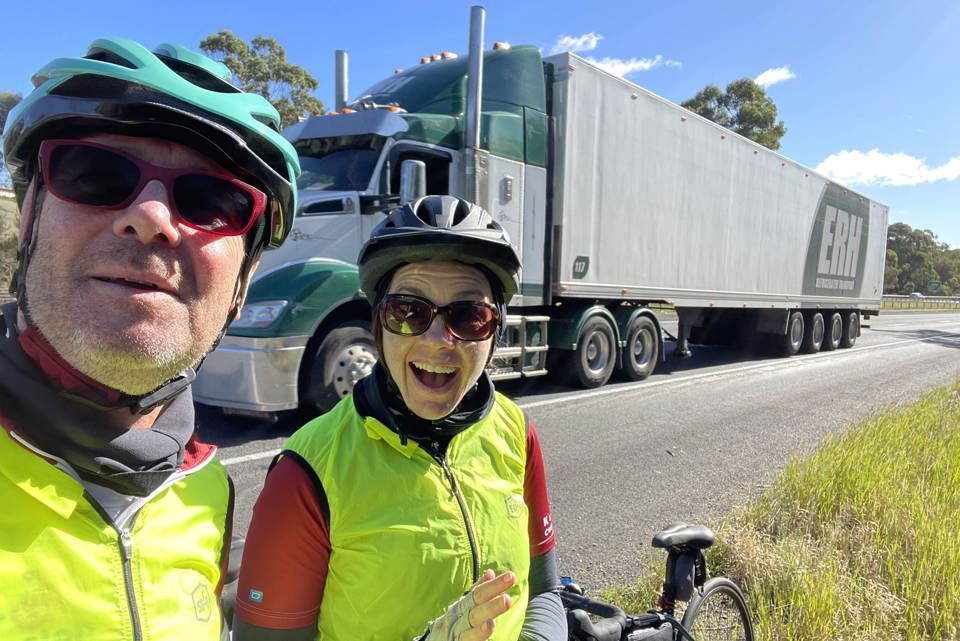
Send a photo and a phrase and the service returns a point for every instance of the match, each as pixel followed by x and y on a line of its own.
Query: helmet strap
pixel 18 282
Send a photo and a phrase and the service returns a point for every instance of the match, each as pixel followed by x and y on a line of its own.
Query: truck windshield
pixel 343 163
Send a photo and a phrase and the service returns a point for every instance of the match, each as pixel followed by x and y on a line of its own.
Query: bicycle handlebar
pixel 613 624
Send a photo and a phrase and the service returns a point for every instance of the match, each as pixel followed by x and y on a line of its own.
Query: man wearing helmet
pixel 148 187
pixel 425 487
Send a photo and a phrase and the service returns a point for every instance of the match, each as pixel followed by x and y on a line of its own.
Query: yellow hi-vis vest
pixel 67 574
pixel 401 543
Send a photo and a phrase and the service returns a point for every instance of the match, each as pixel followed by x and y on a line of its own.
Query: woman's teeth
pixel 435 369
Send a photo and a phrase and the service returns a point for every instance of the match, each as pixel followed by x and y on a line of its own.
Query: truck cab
pixel 303 338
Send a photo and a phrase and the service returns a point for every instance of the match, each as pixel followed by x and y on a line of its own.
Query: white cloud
pixel 621 67
pixel 773 76
pixel 877 168
pixel 617 66
pixel 586 42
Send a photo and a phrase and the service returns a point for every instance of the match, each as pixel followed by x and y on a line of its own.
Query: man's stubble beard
pixel 135 358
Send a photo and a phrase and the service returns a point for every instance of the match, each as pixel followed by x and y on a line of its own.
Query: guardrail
pixel 925 302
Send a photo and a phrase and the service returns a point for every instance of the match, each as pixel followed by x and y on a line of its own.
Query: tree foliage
pixel 8 100
pixel 263 68
pixel 744 107
pixel 915 259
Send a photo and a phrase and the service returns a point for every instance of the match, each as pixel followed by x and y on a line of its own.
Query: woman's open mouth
pixel 433 376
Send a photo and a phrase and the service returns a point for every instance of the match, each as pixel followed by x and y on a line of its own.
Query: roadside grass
pixel 858 540
pixel 921 304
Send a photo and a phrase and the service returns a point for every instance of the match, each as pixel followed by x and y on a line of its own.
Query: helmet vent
pixel 108 56
pixel 197 75
pixel 92 86
pixel 270 122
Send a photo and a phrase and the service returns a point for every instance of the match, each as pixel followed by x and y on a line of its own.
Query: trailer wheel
pixel 831 338
pixel 642 350
pixel 345 355
pixel 813 336
pixel 851 329
pixel 793 339
pixel 596 353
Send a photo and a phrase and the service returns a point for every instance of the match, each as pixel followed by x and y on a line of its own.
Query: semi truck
pixel 619 202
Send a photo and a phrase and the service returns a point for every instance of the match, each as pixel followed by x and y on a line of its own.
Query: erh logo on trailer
pixel 837 247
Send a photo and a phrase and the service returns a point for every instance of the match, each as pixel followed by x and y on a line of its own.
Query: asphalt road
pixel 696 438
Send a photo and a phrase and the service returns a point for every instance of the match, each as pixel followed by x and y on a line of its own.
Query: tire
pixel 813 333
pixel 851 329
pixel 642 351
pixel 793 339
pixel 833 332
pixel 596 353
pixel 344 356
pixel 718 611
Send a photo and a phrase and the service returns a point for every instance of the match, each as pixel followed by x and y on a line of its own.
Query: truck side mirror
pixel 413 180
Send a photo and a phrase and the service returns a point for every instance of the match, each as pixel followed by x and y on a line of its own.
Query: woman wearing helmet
pixel 148 187
pixel 425 488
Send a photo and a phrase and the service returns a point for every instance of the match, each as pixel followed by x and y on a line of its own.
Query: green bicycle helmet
pixel 439 228
pixel 172 93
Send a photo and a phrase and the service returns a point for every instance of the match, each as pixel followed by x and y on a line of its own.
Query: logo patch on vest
pixel 514 504
pixel 255 595
pixel 202 602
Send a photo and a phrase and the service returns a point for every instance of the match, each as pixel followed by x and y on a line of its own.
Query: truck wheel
pixel 345 355
pixel 793 339
pixel 851 329
pixel 813 335
pixel 831 338
pixel 596 353
pixel 642 350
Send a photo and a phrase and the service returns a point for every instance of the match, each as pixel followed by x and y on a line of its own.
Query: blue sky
pixel 868 90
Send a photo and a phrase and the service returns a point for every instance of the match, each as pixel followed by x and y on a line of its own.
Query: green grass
pixel 858 540
pixel 922 303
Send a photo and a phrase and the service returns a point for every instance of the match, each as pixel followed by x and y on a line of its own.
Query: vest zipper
pixel 126 553
pixel 125 543
pixel 123 525
pixel 441 458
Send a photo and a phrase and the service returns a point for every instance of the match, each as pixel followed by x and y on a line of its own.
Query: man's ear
pixel 243 289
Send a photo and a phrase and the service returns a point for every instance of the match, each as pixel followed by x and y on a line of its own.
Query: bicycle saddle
pixel 680 535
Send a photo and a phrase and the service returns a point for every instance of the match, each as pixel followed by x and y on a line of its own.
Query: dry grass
pixel 859 540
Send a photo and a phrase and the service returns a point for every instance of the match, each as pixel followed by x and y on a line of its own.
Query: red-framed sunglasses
pixel 467 320
pixel 95 175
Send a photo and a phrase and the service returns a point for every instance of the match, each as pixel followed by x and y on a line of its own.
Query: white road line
pixel 746 368
pixel 642 385
pixel 250 457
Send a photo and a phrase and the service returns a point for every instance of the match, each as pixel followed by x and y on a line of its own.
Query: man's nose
pixel 150 217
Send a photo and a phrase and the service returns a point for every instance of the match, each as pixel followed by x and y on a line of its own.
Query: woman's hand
pixel 470 618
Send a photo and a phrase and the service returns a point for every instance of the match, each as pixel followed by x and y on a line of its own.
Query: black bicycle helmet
pixel 439 228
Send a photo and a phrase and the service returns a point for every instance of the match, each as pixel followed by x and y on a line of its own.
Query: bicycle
pixel 716 608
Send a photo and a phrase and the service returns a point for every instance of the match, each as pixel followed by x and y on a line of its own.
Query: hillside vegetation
pixel 9 224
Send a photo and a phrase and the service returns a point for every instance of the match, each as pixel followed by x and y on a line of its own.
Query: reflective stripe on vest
pixel 61 561
pixel 400 547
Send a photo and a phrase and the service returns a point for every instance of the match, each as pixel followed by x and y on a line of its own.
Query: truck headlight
pixel 260 314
